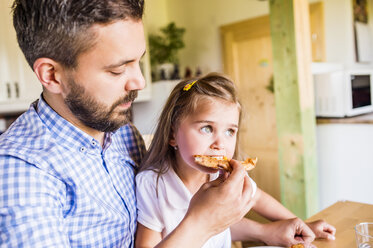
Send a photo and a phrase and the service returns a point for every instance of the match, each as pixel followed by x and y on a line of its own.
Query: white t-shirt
pixel 164 211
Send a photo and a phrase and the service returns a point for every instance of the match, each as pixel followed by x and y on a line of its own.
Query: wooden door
pixel 248 60
pixel 317 31
pixel 247 52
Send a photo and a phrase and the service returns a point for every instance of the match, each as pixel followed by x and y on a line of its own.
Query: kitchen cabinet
pixel 19 86
pixel 345 160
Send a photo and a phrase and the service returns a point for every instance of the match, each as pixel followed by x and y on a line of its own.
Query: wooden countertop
pixel 343 215
pixel 360 119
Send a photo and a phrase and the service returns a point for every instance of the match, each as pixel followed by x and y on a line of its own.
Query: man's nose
pixel 136 80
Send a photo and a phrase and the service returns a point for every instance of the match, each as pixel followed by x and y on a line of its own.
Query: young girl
pixel 201 117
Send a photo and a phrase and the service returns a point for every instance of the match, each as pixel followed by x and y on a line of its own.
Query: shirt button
pixel 83 149
pixel 93 143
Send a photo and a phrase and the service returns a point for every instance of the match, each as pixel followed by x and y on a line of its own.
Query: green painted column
pixel 295 116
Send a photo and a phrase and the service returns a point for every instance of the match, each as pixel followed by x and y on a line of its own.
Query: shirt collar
pixel 65 132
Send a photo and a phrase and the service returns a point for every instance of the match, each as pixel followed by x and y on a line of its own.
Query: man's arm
pixel 215 207
pixel 30 206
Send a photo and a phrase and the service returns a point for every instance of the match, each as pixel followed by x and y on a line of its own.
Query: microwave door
pixel 361 94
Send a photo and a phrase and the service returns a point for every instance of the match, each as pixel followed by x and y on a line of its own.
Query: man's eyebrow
pixel 122 62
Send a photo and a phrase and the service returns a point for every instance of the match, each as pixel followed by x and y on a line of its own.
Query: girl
pixel 201 117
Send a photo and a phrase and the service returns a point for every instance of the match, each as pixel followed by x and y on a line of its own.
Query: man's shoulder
pixel 26 137
pixel 129 133
pixel 130 139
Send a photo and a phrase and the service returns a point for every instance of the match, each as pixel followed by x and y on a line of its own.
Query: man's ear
pixel 49 73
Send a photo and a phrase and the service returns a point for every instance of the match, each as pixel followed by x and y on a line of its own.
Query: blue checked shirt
pixel 60 188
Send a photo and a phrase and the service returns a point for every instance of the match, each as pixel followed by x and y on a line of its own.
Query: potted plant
pixel 163 49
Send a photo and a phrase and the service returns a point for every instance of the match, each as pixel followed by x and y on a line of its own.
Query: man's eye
pixel 206 129
pixel 230 132
pixel 115 73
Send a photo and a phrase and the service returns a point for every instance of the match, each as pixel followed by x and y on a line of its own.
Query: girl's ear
pixel 172 141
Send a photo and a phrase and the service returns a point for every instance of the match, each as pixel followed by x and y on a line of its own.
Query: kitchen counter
pixel 360 119
pixel 343 215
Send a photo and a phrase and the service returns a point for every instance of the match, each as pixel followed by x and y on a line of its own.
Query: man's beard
pixel 94 114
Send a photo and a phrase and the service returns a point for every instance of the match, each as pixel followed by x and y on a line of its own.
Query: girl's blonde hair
pixel 181 103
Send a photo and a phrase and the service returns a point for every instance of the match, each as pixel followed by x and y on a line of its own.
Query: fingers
pixel 223 174
pixel 327 232
pixel 303 231
pixel 221 178
pixel 308 239
pixel 235 178
pixel 310 246
pixel 234 187
pixel 247 191
pixel 325 235
pixel 329 229
pixel 323 230
pixel 239 178
pixel 237 175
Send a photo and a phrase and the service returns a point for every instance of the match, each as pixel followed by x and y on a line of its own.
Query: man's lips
pixel 125 105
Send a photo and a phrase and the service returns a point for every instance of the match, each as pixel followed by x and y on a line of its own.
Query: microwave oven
pixel 343 93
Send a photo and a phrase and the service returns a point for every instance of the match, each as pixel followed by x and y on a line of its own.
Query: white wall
pixel 146 114
pixel 155 15
pixel 339 34
pixel 202 19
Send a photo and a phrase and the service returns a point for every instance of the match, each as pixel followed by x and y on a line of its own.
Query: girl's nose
pixel 217 145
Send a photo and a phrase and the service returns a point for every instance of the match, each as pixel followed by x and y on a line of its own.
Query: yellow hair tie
pixel 188 86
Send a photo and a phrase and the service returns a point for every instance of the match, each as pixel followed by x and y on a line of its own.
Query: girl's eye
pixel 206 129
pixel 230 132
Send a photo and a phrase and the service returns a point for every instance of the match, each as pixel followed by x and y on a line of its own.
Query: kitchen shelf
pixel 360 119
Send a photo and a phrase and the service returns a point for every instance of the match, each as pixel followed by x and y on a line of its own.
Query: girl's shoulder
pixel 153 178
pixel 146 173
pixel 148 177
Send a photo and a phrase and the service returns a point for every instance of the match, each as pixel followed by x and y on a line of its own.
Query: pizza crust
pixel 222 162
pixel 297 246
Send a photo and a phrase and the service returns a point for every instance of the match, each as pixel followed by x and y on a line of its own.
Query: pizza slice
pixel 297 246
pixel 222 162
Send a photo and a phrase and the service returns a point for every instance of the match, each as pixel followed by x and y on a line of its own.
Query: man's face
pixel 101 89
pixel 95 114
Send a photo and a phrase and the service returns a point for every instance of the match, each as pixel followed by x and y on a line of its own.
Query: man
pixel 67 165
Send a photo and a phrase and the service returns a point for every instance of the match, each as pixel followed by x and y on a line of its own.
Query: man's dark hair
pixel 60 29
